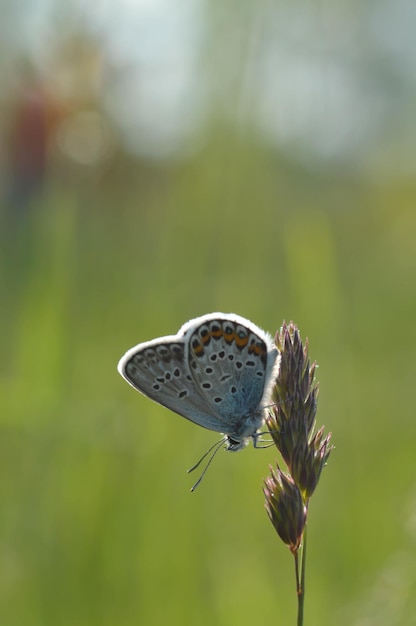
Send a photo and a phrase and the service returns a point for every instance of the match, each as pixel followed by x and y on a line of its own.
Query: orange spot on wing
pixel 241 341
pixel 257 349
pixel 206 339
pixel 229 337
pixel 198 349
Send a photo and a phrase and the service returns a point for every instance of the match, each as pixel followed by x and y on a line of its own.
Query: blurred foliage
pixel 97 523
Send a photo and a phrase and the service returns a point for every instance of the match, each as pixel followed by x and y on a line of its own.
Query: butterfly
pixel 217 371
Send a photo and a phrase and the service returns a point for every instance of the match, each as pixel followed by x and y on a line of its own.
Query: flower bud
pixel 285 508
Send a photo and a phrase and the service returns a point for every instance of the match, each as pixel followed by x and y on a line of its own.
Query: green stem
pixel 301 584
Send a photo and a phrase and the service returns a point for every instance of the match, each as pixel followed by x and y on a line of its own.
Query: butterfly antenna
pixel 217 445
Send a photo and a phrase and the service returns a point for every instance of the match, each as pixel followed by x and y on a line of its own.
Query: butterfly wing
pixel 159 370
pixel 234 365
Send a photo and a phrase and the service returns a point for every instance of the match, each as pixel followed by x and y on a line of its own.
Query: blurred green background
pixel 162 160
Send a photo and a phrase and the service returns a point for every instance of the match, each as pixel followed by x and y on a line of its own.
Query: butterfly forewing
pixel 158 370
